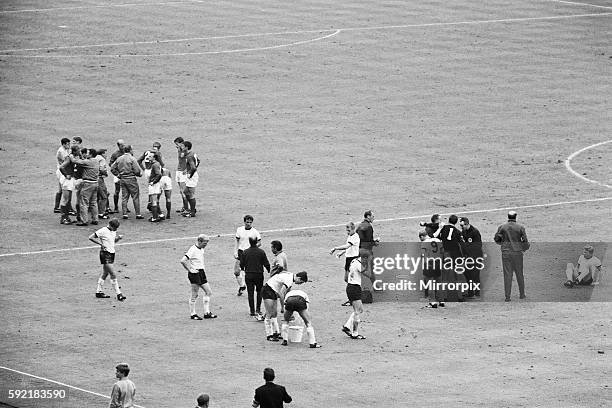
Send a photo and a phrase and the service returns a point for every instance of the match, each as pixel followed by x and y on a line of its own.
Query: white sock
pixel 100 284
pixel 311 335
pixel 241 281
pixel 356 326
pixel 115 284
pixel 275 325
pixel 284 331
pixel 349 322
pixel 192 306
pixel 206 301
pixel 268 326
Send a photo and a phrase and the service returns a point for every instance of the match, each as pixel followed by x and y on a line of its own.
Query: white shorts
pixel 166 183
pixel 180 177
pixel 147 173
pixel 155 188
pixel 192 181
pixel 66 183
pixel 115 179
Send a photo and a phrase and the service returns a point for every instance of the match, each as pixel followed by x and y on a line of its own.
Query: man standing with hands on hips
pixel 513 240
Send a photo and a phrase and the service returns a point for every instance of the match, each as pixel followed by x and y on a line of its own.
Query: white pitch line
pixel 60 383
pixel 337 31
pixel 568 164
pixel 165 3
pixel 582 4
pixel 408 217
pixel 180 54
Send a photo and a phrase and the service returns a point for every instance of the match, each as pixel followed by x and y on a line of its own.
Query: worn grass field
pixel 305 115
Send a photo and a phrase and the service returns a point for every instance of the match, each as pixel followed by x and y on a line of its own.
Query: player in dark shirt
pixel 472 248
pixel 451 242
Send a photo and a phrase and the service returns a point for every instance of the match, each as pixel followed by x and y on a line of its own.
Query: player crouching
pixel 297 301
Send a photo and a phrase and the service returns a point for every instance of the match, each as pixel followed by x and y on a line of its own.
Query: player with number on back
pixel 431 253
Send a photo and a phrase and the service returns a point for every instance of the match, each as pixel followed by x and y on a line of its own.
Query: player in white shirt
pixel 353 291
pixel 242 242
pixel 586 272
pixel 273 290
pixel 350 250
pixel 193 262
pixel 106 238
pixel 297 301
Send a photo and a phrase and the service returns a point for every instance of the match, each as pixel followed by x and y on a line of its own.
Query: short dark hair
pixel 434 217
pixel 453 219
pixel 84 150
pixel 127 148
pixel 75 150
pixel 114 223
pixel 203 399
pixel 268 374
pixel 277 245
pixel 123 369
pixel 367 213
pixel 253 241
pixel 77 139
pixel 65 140
pixel 93 152
pixel 157 144
pixel 464 219
pixel 247 217
pixel 303 276
pixel 187 144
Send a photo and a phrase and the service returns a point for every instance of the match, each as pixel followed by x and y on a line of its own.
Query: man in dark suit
pixel 253 261
pixel 513 240
pixel 270 395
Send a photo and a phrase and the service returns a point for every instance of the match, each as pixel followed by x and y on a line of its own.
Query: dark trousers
pixel 512 262
pixel 254 281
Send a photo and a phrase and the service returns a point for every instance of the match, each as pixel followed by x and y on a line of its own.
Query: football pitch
pixel 305 114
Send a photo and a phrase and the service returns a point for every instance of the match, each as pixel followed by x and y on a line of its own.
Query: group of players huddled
pixel 84 170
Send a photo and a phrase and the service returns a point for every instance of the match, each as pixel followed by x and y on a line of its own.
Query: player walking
pixel 106 238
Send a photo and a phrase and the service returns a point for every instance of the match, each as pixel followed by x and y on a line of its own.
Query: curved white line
pixel 391 27
pixel 178 40
pixel 181 53
pixel 568 163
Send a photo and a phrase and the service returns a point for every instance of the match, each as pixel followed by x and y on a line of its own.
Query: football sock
pixel 356 325
pixel 284 331
pixel 192 307
pixel 206 301
pixel 192 204
pixel 155 211
pixel 311 335
pixel 349 322
pixel 168 207
pixel 100 284
pixel 268 326
pixel 115 284
pixel 274 321
pixel 58 197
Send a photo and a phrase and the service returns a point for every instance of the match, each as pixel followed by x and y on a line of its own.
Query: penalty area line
pixel 60 383
pixel 305 228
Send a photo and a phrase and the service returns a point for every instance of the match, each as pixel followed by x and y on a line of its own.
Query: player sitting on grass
pixel 586 272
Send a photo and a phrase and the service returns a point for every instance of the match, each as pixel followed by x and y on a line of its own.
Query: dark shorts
pixel 268 293
pixel 295 304
pixel 197 278
pixel 353 292
pixel 348 261
pixel 107 258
